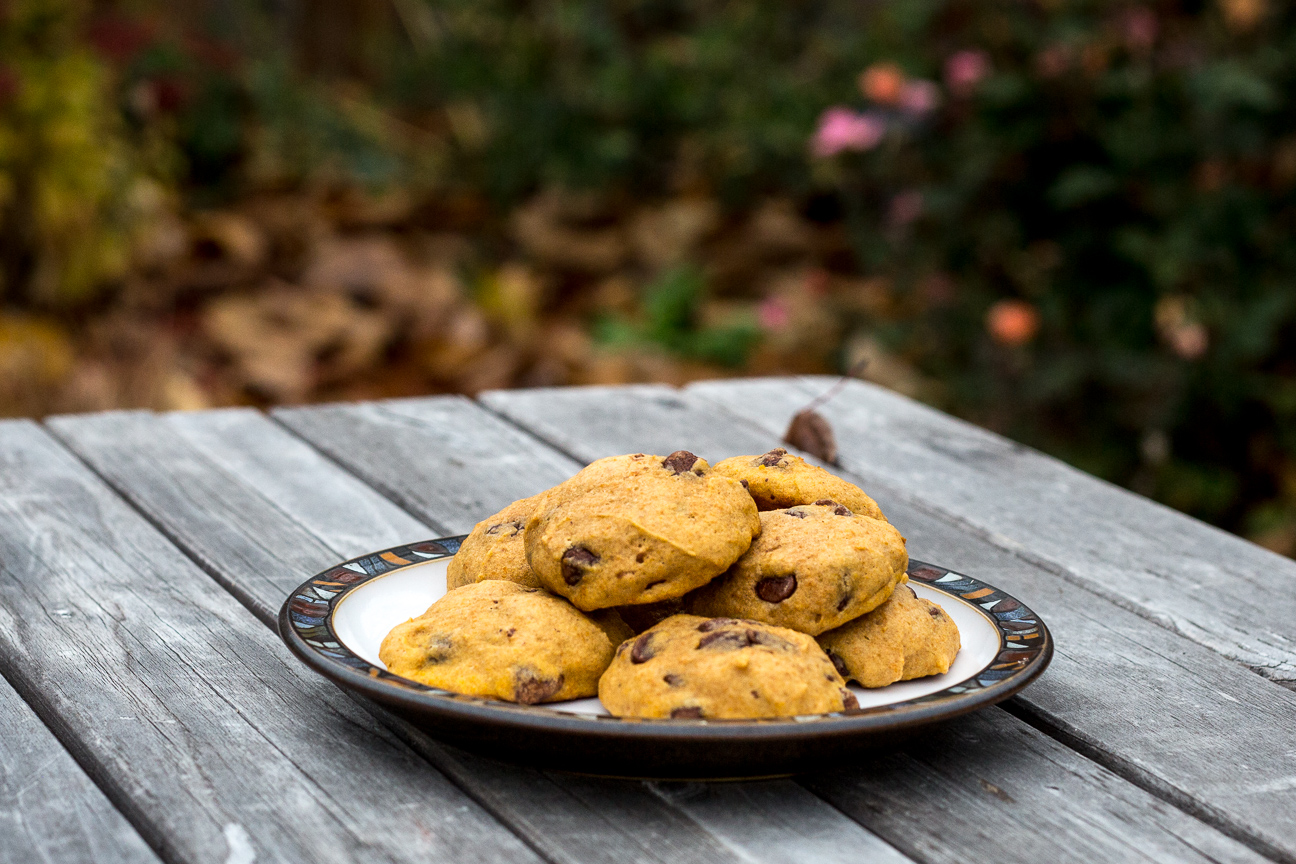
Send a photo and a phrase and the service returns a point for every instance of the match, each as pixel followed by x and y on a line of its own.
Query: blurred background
pixel 1071 222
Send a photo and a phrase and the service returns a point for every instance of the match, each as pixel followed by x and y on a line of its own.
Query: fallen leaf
pixel 809 431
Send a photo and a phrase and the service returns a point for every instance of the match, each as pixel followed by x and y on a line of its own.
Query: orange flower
pixel 1012 322
pixel 883 83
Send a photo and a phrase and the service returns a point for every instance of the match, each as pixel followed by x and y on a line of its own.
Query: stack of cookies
pixel 670 588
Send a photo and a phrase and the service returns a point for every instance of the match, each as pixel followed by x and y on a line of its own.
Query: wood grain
pixel 49 809
pixel 189 713
pixel 571 418
pixel 1152 705
pixel 454 463
pixel 1159 563
pixel 222 507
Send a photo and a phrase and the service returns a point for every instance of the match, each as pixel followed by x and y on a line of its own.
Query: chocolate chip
pixel 530 689
pixel 839 509
pixel 679 462
pixel 622 647
pixel 732 640
pixel 770 459
pixel 851 703
pixel 844 601
pixel 673 680
pixel 799 514
pixel 509 633
pixel 723 639
pixel 715 624
pixel 508 529
pixel 436 649
pixel 575 561
pixel 692 712
pixel 838 663
pixel 934 612
pixel 776 589
pixel 642 650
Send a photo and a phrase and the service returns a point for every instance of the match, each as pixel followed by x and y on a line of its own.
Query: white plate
pixel 367 614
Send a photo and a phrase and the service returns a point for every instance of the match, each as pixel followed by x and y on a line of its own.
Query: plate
pixel 335 622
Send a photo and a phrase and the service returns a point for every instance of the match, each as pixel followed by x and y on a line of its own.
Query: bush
pixel 1089 240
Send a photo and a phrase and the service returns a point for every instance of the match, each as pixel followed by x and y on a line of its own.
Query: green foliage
pixel 64 169
pixel 1131 175
pixel 672 304
pixel 643 94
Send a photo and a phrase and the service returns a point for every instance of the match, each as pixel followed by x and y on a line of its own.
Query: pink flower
pixel 919 97
pixel 843 129
pixel 773 314
pixel 965 69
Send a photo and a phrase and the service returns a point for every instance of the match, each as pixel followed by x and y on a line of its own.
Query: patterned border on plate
pixel 1025 645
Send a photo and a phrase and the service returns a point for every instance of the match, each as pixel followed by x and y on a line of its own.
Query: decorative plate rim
pixel 306 626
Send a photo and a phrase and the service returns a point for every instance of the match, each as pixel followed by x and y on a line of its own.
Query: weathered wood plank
pixel 188 712
pixel 225 519
pixel 1092 830
pixel 1155 561
pixel 350 519
pixel 1163 711
pixel 49 809
pixel 456 463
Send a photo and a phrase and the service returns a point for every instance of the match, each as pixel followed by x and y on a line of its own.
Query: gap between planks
pixel 117 642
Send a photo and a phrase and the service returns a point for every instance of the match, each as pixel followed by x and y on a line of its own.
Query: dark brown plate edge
pixel 1025 652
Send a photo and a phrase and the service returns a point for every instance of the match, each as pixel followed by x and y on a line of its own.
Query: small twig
pixel 823 398
pixel 809 431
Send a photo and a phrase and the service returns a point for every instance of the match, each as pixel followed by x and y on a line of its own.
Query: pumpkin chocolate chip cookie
pixel 638 529
pixel 721 668
pixel 777 480
pixel 495 549
pixel 906 637
pixel 501 640
pixel 814 567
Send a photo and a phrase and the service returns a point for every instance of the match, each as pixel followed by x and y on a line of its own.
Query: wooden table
pixel 148 710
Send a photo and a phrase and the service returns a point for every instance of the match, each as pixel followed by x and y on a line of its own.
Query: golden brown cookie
pixel 906 637
pixel 814 567
pixel 721 668
pixel 777 480
pixel 638 529
pixel 495 549
pixel 504 641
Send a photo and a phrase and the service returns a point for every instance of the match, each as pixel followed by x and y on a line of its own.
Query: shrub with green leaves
pixel 65 171
pixel 1090 234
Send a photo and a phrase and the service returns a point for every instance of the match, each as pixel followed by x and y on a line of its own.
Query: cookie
pixel 501 640
pixel 721 668
pixel 777 480
pixel 813 568
pixel 495 549
pixel 906 637
pixel 638 529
